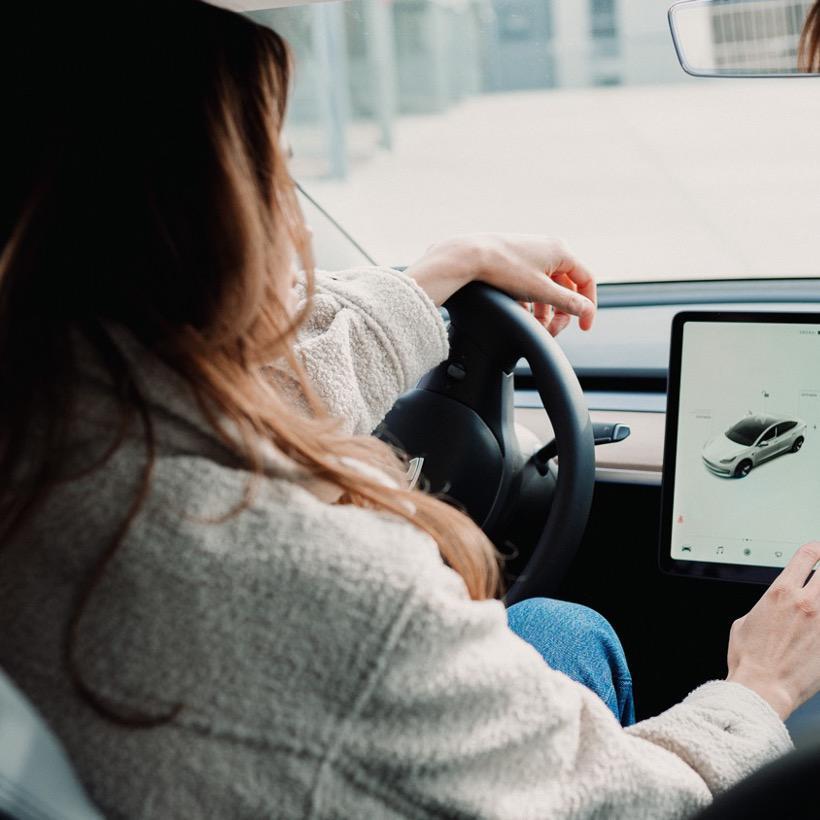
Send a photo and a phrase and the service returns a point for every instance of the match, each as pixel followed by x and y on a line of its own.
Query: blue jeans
pixel 580 643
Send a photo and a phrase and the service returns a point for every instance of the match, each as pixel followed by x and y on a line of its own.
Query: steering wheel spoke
pixel 460 420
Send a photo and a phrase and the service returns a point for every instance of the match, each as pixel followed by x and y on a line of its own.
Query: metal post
pixel 331 63
pixel 381 58
pixel 572 39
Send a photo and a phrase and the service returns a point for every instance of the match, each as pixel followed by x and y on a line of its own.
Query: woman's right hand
pixel 530 268
pixel 775 648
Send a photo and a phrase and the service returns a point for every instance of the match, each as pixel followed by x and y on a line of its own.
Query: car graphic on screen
pixel 750 442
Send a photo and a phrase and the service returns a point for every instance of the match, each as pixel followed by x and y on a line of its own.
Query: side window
pixel 769 434
pixel 785 427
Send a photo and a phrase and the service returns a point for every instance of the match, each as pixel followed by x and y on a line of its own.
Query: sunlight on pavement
pixel 707 179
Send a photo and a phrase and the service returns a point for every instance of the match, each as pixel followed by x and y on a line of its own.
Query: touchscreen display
pixel 747 456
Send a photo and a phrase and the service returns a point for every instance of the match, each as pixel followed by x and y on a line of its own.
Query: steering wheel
pixel 460 421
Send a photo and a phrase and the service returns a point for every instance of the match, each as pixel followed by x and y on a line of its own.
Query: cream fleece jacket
pixel 329 665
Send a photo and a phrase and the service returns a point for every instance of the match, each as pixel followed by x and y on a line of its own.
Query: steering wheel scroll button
pixel 456 371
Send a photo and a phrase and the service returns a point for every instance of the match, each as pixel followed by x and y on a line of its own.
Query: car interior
pixel 557 446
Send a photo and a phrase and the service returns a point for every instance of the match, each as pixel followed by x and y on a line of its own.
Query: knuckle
pixel 778 591
pixel 810 551
pixel 806 606
pixel 559 295
pixel 561 247
pixel 573 304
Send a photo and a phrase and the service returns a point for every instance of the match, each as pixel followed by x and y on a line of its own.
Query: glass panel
pixel 412 120
pixel 740 37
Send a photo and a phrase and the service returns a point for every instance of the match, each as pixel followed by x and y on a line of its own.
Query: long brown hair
pixel 809 48
pixel 144 187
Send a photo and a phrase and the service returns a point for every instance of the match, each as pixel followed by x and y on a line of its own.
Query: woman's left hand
pixel 537 271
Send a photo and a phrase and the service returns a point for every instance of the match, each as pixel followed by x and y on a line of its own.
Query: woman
pixel 222 596
pixel 808 52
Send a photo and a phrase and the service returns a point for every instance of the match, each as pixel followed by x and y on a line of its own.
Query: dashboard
pixel 622 365
pixel 622 362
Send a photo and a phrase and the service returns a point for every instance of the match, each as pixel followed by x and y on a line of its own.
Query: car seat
pixel 785 788
pixel 37 781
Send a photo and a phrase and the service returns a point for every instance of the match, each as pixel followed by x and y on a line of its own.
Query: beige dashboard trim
pixel 636 460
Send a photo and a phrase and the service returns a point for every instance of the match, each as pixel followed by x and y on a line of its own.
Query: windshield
pixel 746 432
pixel 413 120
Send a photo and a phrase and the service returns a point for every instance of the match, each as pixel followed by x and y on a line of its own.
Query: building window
pixel 603 19
pixel 515 21
pixel 758 34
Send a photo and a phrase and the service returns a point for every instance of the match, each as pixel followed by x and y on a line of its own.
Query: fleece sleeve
pixel 466 720
pixel 372 333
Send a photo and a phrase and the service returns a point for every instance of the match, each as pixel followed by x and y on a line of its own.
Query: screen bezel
pixel 742 573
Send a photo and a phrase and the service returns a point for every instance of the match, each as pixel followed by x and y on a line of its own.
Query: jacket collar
pixel 180 425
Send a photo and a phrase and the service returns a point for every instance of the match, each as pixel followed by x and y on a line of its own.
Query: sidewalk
pixel 709 179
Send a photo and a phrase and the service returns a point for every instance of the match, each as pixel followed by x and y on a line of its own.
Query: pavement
pixel 707 179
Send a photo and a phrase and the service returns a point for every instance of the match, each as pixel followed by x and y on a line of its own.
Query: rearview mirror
pixel 747 38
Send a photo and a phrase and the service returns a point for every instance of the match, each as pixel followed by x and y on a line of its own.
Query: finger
pixel 528 306
pixel 572 271
pixel 543 313
pixel 579 274
pixel 563 279
pixel 800 565
pixel 559 323
pixel 560 320
pixel 537 249
pixel 565 300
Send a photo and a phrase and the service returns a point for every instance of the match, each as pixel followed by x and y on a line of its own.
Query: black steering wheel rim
pixel 496 324
pixel 489 333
